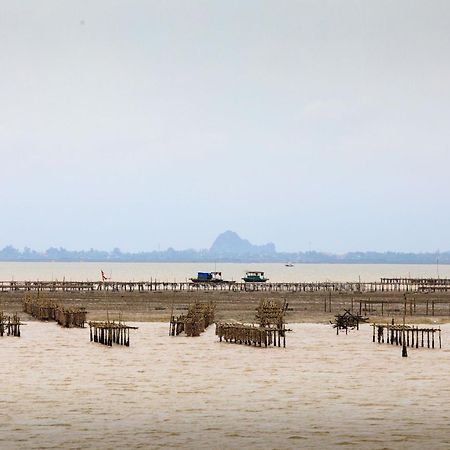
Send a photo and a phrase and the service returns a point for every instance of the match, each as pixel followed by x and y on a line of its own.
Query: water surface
pixel 81 271
pixel 323 391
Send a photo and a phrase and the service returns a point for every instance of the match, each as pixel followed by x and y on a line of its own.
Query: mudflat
pixel 240 306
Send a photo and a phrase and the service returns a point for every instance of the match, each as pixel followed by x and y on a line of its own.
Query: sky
pixel 316 125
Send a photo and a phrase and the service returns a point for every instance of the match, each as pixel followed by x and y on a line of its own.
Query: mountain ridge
pixel 229 242
pixel 227 247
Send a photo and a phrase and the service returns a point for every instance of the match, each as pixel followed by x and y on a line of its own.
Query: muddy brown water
pixel 58 390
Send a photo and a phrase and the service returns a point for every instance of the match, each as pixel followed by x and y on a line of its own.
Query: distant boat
pixel 209 277
pixel 255 277
pixel 289 264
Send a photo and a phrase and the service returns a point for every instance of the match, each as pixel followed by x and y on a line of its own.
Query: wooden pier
pixel 9 325
pixel 110 332
pixel 384 285
pixel 200 316
pixel 413 336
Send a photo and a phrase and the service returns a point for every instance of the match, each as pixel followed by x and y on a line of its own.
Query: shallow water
pixel 58 390
pixel 81 271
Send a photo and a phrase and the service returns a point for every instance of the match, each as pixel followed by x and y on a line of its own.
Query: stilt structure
pixel 270 313
pixel 39 307
pixel 271 329
pixel 407 335
pixel 110 332
pixel 239 333
pixel 70 317
pixel 199 317
pixel 383 285
pixel 44 309
pixel 10 325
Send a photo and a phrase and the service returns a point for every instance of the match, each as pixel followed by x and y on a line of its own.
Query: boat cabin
pixel 208 277
pixel 216 276
pixel 254 276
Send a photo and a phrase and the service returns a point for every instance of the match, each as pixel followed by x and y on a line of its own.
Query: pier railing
pixel 384 285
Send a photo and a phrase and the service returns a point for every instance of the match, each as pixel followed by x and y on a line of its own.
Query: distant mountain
pixel 230 243
pixel 228 247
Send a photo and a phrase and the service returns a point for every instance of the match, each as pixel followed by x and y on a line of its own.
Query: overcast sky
pixel 147 124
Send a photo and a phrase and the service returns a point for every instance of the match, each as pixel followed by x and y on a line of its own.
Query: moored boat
pixel 255 276
pixel 209 277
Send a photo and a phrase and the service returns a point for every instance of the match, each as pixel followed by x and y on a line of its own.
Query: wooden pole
pixel 171 316
pixel 404 351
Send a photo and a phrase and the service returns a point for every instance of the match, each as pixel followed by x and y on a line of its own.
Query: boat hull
pixel 254 280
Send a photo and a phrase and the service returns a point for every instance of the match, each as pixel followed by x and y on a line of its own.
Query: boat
pixel 255 276
pixel 289 264
pixel 209 277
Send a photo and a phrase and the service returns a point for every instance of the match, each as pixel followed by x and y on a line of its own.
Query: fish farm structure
pixel 110 332
pixel 199 317
pixel 45 309
pixel 408 335
pixel 9 325
pixel 270 330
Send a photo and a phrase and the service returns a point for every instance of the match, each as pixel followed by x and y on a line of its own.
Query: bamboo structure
pixel 199 317
pixel 39 307
pixel 271 313
pixel 70 317
pixel 110 332
pixel 407 335
pixel 45 309
pixel 348 321
pixel 271 329
pixel 239 333
pixel 10 325
pixel 177 325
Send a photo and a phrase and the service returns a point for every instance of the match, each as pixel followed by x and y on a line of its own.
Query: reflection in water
pixel 61 391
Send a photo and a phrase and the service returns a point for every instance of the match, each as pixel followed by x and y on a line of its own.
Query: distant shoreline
pixel 218 261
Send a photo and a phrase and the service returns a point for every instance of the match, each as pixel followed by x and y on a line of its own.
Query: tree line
pixel 10 253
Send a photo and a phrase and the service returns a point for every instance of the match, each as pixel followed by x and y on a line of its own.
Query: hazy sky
pixel 312 124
